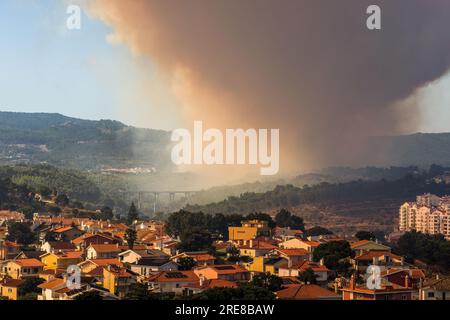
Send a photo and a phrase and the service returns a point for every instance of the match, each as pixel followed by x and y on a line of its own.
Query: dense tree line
pixel 403 189
pixel 434 250
pixel 198 230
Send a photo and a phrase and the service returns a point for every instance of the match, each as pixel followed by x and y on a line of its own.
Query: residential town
pixel 110 260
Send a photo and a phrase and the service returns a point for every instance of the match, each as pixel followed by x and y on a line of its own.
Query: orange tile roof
pixel 88 235
pixel 197 256
pixel 70 255
pixel 28 262
pixel 212 283
pixel 52 283
pixel 259 245
pixel 118 271
pixel 359 243
pixel 12 283
pixel 105 247
pixel 386 288
pixel 317 267
pixel 226 268
pixel 136 247
pixel 56 272
pixel 175 276
pixel 312 243
pixel 97 271
pixel 306 292
pixel 203 257
pixel 306 264
pixel 293 252
pixel 120 226
pixel 412 273
pixel 120 234
pixel 219 283
pixel 105 262
pixel 376 254
pixel 81 238
pixel 62 229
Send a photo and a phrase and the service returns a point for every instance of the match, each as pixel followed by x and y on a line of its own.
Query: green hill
pixel 69 142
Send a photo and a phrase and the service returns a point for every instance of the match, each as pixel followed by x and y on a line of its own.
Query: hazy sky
pixel 45 68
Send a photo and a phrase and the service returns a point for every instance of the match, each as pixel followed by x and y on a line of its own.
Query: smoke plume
pixel 308 67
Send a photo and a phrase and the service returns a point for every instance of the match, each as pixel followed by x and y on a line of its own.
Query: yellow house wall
pixel 257 265
pixel 9 292
pixel 109 281
pixel 13 270
pixel 242 233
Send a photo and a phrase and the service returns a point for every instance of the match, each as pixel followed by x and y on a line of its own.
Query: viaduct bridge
pixel 155 195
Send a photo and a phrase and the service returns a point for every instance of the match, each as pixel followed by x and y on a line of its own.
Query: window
pixel 404 297
pixel 430 294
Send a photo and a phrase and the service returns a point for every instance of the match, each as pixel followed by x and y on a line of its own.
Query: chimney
pixel 437 276
pixel 202 280
pixel 289 264
pixel 407 281
pixel 352 282
pixel 322 262
pixel 402 261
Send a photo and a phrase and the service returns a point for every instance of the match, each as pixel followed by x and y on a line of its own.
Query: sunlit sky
pixel 46 68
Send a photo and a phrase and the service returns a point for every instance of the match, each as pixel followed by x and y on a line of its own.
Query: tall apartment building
pixel 429 214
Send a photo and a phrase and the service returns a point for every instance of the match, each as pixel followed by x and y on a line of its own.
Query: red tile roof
pixel 105 248
pixel 306 264
pixel 359 243
pixel 52 283
pixel 306 292
pixel 175 276
pixel 212 283
pixel 261 245
pixel 293 252
pixel 105 262
pixel 62 229
pixel 13 283
pixel 226 268
pixel 376 254
pixel 28 263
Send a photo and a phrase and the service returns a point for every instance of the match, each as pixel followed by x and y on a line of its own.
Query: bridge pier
pixel 155 194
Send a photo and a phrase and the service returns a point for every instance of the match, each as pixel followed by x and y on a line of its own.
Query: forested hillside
pixel 70 142
pixel 399 191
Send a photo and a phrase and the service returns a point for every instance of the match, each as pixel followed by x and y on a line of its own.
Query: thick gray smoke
pixel 308 67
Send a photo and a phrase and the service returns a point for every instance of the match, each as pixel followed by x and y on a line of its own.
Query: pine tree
pixel 132 214
pixel 131 237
